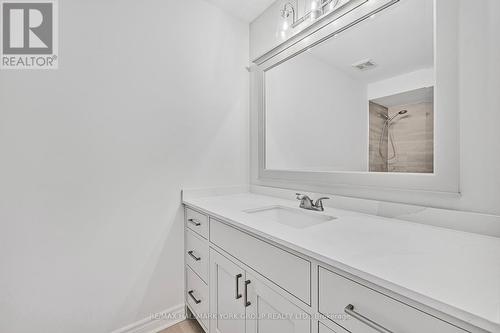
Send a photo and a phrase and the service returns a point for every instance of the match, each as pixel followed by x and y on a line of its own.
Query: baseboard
pixel 156 322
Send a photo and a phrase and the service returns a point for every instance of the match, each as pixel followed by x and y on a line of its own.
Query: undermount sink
pixel 292 217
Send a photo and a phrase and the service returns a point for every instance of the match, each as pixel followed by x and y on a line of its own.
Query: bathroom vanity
pixel 256 263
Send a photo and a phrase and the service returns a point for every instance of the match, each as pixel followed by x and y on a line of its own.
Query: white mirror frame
pixel 445 179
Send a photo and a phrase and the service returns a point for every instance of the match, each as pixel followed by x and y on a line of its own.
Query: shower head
pixel 400 113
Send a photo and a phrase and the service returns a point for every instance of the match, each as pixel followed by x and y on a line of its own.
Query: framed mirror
pixel 367 99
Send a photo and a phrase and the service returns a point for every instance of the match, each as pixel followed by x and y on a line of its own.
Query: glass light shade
pixel 284 28
pixel 315 9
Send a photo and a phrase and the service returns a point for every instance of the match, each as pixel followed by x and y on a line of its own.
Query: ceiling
pixel 407 98
pixel 398 40
pixel 246 10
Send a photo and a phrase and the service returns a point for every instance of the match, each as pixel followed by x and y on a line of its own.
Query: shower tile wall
pixel 378 116
pixel 414 139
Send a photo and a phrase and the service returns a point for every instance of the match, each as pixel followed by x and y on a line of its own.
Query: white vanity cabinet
pixel 197 296
pixel 372 311
pixel 226 295
pixel 241 282
pixel 197 222
pixel 241 302
pixel 196 256
pixel 288 271
pixel 269 312
pixel 325 329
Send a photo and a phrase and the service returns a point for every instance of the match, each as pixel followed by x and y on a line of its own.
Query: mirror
pixel 361 101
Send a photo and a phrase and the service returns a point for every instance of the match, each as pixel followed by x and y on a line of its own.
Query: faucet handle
pixel 319 203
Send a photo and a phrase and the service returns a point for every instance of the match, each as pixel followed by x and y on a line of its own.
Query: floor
pixel 187 326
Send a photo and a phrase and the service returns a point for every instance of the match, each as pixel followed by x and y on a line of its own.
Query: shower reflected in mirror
pixel 402 132
pixel 385 131
pixel 360 101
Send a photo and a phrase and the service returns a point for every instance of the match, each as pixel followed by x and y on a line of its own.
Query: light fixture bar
pixel 289 10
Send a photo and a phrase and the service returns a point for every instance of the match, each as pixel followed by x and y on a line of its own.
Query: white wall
pixel 406 82
pixel 263 31
pixel 479 83
pixel 316 117
pixel 480 105
pixel 151 96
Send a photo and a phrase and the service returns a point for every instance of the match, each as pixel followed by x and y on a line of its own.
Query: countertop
pixel 455 272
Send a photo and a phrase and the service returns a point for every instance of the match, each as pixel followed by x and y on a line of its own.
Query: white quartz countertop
pixel 454 272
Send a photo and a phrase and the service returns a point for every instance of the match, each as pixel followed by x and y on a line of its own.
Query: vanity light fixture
pixel 316 9
pixel 290 19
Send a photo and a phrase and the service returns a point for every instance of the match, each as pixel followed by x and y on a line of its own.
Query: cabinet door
pixel 270 312
pixel 226 295
pixel 325 329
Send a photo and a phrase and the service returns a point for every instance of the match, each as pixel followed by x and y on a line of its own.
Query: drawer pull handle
pixel 238 277
pixel 368 322
pixel 191 254
pixel 195 222
pixel 197 301
pixel 247 303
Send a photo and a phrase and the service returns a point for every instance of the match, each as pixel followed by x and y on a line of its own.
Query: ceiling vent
pixel 365 65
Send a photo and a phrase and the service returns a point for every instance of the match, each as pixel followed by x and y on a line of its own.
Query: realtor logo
pixel 29 34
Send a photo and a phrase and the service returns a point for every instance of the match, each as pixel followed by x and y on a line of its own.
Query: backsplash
pixel 483 224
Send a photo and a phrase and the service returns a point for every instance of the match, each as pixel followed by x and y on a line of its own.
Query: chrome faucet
pixel 307 203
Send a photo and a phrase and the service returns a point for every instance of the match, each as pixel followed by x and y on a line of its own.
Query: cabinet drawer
pixel 197 222
pixel 197 254
pixel 197 296
pixel 337 293
pixel 287 270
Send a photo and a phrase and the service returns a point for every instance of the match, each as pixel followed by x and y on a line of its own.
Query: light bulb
pixel 315 9
pixel 283 28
